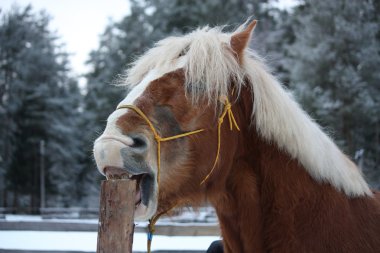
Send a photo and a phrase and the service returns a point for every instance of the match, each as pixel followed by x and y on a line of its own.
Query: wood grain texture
pixel 117 206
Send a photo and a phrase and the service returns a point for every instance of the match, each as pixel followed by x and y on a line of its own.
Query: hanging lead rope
pixel 227 111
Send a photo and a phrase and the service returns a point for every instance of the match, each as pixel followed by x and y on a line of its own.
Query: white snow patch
pixel 86 241
pixel 36 218
pixel 13 217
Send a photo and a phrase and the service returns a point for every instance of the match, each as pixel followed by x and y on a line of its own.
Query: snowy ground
pixel 86 241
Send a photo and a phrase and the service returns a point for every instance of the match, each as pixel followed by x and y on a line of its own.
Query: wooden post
pixel 117 206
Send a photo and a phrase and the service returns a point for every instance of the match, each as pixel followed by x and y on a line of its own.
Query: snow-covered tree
pixel 334 69
pixel 39 103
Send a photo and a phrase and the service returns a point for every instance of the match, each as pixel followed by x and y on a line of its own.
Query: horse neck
pixel 264 189
pixel 238 206
pixel 236 194
pixel 282 181
pixel 270 202
pixel 297 212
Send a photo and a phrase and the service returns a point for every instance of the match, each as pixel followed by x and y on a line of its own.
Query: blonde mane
pixel 210 64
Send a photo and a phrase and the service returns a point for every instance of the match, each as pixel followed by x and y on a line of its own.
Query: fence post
pixel 117 206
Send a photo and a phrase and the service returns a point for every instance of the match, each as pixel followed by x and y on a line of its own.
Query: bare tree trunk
pixel 5 198
pixel 15 202
pixel 377 141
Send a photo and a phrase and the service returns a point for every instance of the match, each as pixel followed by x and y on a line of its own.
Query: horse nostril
pixel 139 142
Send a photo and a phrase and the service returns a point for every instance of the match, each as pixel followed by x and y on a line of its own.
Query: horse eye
pixel 139 141
pixel 183 52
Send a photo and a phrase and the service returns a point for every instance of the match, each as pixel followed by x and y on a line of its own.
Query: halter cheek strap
pixel 226 111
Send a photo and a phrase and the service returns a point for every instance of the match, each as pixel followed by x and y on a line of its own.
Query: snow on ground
pixel 205 217
pixel 86 241
pixel 12 217
pixel 36 218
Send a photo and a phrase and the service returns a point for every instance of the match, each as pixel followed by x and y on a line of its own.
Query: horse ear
pixel 239 41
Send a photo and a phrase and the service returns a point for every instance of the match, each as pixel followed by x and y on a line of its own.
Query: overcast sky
pixel 80 22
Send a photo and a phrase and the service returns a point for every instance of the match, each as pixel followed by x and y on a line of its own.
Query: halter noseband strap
pixel 226 111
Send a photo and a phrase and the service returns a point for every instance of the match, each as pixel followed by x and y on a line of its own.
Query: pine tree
pixel 39 103
pixel 333 68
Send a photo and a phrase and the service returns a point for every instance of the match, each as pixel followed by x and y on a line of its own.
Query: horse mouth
pixel 144 187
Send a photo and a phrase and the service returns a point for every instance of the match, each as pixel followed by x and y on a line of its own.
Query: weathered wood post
pixel 117 206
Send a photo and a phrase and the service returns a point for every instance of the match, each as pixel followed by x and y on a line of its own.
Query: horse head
pixel 169 94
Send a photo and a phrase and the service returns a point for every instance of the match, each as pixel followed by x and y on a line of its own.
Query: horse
pixel 205 118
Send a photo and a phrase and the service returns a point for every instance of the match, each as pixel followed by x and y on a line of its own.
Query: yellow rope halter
pixel 157 137
pixel 226 111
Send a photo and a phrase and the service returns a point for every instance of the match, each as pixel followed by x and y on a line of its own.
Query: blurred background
pixel 58 60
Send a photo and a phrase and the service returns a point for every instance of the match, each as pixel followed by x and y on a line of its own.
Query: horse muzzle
pixel 125 158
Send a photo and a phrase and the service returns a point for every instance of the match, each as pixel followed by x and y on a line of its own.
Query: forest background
pixel 326 52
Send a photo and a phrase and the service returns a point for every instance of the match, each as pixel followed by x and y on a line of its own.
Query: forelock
pixel 210 65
